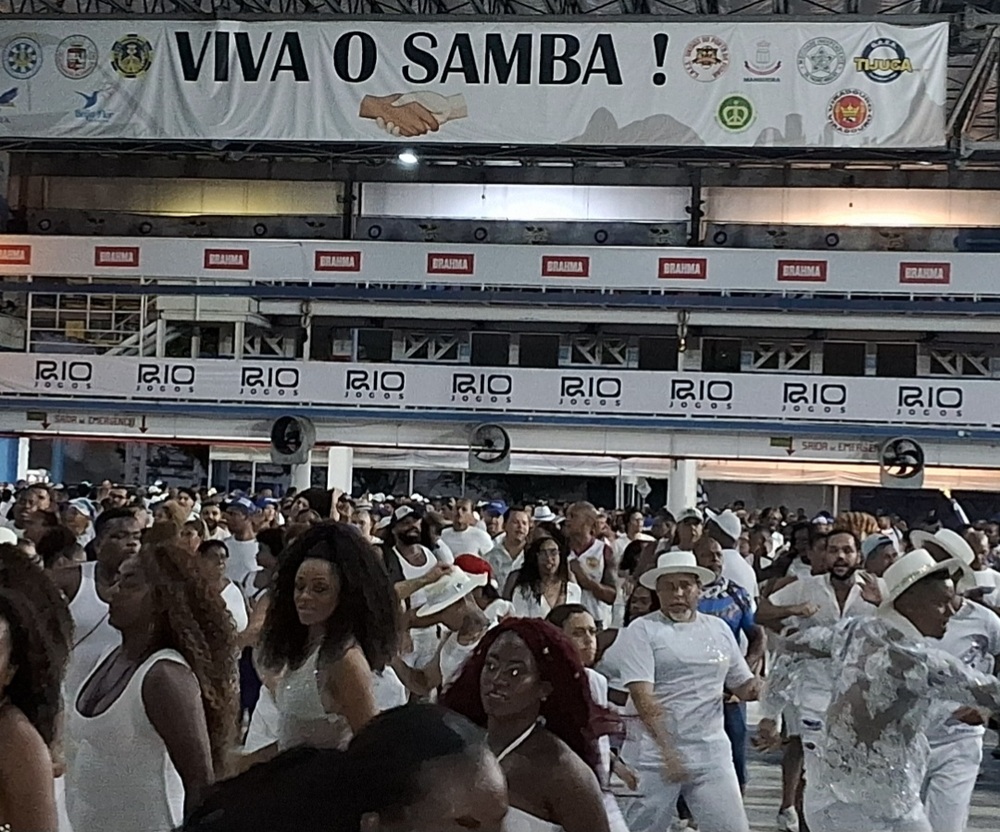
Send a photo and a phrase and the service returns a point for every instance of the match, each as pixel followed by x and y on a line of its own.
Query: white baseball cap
pixel 727 521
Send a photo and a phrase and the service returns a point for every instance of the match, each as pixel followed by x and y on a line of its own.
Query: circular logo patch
pixel 883 60
pixel 821 60
pixel 76 56
pixel 22 57
pixel 850 111
pixel 131 56
pixel 735 113
pixel 706 58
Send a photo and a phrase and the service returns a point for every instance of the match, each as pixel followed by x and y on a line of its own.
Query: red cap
pixel 474 565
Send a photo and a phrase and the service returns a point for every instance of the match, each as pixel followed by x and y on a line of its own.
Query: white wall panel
pixel 524 202
pixel 839 206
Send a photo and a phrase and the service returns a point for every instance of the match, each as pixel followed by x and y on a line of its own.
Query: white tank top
pixel 93 636
pixel 302 718
pixel 119 775
pixel 592 561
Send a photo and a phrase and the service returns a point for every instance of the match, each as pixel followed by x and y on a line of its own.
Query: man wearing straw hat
pixel 887 671
pixel 675 663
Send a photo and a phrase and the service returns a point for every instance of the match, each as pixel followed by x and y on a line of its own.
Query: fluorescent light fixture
pixel 408 157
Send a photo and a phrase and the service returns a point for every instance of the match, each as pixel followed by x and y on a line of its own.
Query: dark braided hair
pixel 569 711
pixel 367 609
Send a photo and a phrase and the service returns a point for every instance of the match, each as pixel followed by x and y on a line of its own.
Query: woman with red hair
pixel 526 685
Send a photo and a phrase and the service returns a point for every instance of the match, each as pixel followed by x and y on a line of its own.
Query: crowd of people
pixel 173 658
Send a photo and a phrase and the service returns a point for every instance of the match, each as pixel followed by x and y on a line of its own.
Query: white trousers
pixel 951 777
pixel 713 796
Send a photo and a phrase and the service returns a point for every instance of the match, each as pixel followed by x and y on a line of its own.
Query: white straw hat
pixel 447 590
pixel 673 563
pixel 544 514
pixel 952 542
pixel 909 569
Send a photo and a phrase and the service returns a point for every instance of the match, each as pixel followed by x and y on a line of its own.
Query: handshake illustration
pixel 413 113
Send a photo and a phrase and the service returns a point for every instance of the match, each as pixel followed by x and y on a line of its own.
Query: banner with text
pixel 769 397
pixel 653 83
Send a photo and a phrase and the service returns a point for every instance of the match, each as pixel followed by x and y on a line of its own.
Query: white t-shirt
pixel 470 541
pixel 798 569
pixel 817 589
pixel 815 689
pixel 621 544
pixel 237 606
pixel 242 558
pixel 688 664
pixel 973 637
pixel 527 606
pixel 591 560
pixel 988 578
pixel 736 569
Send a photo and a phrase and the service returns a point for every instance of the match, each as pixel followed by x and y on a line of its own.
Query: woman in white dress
pixel 153 725
pixel 332 623
pixel 526 685
pixel 543 581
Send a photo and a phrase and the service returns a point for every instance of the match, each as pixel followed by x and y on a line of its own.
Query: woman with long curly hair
pixel 331 624
pixel 543 583
pixel 31 671
pixel 152 726
pixel 525 683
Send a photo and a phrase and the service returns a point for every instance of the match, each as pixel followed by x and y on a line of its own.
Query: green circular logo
pixel 735 113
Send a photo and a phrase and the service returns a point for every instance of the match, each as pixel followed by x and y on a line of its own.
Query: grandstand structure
pixel 763 372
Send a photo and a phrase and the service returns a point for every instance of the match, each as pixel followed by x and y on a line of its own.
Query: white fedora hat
pixel 952 542
pixel 544 514
pixel 909 569
pixel 447 590
pixel 727 521
pixel 673 563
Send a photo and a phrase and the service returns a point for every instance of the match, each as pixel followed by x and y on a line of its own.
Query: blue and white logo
pixel 91 109
pixel 22 57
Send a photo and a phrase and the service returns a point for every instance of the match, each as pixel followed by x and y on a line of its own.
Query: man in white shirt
pixel 508 555
pixel 463 537
pixel 211 513
pixel 725 527
pixel 973 637
pixel 634 520
pixel 987 579
pixel 242 545
pixel 884 520
pixel 591 561
pixel 675 663
pixel 821 599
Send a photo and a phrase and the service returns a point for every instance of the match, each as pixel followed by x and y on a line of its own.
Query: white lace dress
pixel 873 756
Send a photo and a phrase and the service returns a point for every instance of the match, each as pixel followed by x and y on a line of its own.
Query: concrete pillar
pixel 682 485
pixel 13 458
pixel 340 468
pixel 57 466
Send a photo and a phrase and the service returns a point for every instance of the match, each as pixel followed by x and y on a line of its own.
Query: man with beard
pixel 211 513
pixel 675 663
pixel 413 566
pixel 819 599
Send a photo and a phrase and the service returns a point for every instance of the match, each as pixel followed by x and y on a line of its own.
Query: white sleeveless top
pixel 93 635
pixel 119 776
pixel 592 561
pixel 302 718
